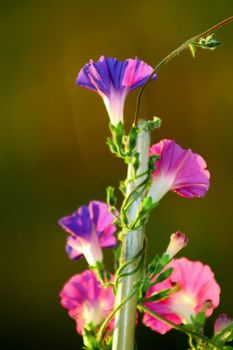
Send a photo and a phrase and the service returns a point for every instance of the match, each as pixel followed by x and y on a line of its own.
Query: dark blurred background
pixel 54 157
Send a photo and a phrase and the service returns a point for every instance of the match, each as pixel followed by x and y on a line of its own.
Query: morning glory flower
pixel 87 301
pixel 113 80
pixel 178 170
pixel 91 228
pixel 196 287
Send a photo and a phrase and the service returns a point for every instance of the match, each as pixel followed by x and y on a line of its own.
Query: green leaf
pixel 111 145
pixel 155 123
pixel 164 275
pixel 124 217
pixel 159 296
pixel 135 161
pixel 192 49
pixel 157 264
pixel 210 42
pixel 122 187
pixel 132 138
pixel 111 200
pixel 152 162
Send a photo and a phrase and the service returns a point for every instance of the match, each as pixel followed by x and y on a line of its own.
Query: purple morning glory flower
pixel 112 80
pixel 91 227
pixel 178 170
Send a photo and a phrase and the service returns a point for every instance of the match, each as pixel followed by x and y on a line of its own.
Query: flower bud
pixel 178 241
pixel 221 322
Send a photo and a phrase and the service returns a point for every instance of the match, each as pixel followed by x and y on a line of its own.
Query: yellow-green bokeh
pixel 54 157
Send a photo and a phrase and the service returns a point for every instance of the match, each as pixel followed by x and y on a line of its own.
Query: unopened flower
pixel 197 285
pixel 222 322
pixel 91 227
pixel 178 241
pixel 88 302
pixel 112 80
pixel 178 170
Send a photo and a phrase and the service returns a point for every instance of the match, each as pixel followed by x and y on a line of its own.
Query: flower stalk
pixel 132 245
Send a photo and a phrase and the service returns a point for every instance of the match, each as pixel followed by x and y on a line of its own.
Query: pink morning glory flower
pixel 113 80
pixel 88 302
pixel 196 286
pixel 178 170
pixel 90 227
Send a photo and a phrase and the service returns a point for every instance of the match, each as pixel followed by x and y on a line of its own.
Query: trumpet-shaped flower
pixel 178 170
pixel 112 80
pixel 196 287
pixel 87 301
pixel 91 227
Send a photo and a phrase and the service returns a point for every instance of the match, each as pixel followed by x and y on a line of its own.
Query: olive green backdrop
pixel 54 157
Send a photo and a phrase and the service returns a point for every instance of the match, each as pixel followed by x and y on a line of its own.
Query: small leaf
pixel 155 123
pixel 164 294
pixel 111 200
pixel 135 161
pixel 210 42
pixel 164 275
pixel 193 49
pixel 132 138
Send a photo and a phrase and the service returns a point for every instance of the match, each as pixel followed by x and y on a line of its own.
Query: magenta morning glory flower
pixel 178 170
pixel 196 286
pixel 87 301
pixel 112 80
pixel 91 227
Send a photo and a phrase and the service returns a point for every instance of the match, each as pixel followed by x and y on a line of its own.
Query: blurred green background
pixel 54 157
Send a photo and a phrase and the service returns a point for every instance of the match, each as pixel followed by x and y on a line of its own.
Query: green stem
pixel 192 347
pixel 182 329
pixel 173 54
pixel 101 331
pixel 132 247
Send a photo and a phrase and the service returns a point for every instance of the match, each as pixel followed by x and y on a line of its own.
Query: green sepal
pixel 89 340
pixel 164 275
pixel 198 321
pixel 163 294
